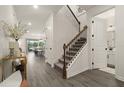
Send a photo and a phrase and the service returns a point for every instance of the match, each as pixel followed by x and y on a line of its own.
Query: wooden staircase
pixel 71 52
pixel 72 48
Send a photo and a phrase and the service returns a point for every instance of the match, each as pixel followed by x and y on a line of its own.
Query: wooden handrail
pixel 85 27
pixel 74 16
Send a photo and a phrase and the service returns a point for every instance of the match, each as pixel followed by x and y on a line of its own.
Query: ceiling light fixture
pixel 35 6
pixel 29 23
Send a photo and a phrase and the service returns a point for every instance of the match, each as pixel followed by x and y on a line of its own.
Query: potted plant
pixel 15 32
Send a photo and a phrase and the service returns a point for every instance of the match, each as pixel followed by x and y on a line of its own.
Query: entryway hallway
pixel 41 74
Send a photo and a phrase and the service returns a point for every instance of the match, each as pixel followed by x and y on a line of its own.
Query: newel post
pixel 64 67
pixel 79 26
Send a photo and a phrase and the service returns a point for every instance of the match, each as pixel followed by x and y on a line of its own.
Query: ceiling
pixel 107 14
pixel 86 7
pixel 36 16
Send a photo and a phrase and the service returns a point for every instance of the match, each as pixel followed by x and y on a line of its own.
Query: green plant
pixel 35 44
pixel 41 44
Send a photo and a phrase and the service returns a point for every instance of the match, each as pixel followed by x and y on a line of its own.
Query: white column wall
pixel 119 30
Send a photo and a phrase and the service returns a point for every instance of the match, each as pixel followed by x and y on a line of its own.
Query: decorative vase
pixel 17 51
pixel 11 47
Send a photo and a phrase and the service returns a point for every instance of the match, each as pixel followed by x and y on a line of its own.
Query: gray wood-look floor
pixel 41 74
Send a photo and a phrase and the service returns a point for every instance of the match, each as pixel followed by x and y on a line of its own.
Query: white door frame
pixel 90 34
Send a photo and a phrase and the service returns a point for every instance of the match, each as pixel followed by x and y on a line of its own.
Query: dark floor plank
pixel 41 74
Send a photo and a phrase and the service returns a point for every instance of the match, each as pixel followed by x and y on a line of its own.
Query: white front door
pixel 99 43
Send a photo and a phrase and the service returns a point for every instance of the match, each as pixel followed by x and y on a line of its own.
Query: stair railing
pixel 66 48
pixel 74 16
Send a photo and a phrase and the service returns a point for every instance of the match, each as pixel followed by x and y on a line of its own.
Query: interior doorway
pixel 103 41
pixel 36 45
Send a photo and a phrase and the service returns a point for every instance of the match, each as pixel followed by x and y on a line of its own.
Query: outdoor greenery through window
pixel 34 44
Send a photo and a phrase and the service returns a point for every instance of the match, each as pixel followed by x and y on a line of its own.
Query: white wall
pixel 111 21
pixel 8 15
pixel 74 8
pixel 65 28
pixel 83 19
pixel 119 15
pixel 49 40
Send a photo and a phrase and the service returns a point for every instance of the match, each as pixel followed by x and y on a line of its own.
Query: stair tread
pixel 74 48
pixel 72 52
pixel 59 64
pixel 67 55
pixel 62 60
pixel 82 38
pixel 76 45
pixel 80 42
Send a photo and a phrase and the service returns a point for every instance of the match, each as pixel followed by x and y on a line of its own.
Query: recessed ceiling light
pixel 29 23
pixel 35 6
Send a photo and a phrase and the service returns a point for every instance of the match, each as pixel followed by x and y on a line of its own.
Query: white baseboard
pixel 119 78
